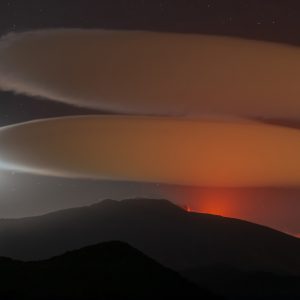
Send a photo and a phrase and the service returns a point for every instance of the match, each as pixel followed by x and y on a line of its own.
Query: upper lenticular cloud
pixel 167 150
pixel 146 72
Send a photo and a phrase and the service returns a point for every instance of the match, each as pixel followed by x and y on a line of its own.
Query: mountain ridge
pixel 169 234
pixel 166 202
pixel 101 271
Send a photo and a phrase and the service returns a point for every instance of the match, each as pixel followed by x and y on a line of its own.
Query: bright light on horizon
pixel 215 202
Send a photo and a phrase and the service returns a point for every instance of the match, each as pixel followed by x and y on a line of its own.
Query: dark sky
pixel 276 20
pixel 270 20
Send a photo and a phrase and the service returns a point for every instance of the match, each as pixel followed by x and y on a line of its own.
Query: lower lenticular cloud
pixel 167 150
pixel 146 72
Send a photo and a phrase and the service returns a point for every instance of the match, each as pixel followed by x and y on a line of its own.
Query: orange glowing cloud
pixel 166 150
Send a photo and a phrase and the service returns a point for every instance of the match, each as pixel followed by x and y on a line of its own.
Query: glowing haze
pixel 146 72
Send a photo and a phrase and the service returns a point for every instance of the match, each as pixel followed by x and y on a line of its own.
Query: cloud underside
pixel 154 73
pixel 166 150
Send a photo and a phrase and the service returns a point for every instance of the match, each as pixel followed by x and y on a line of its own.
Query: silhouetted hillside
pixel 236 284
pixel 105 271
pixel 170 235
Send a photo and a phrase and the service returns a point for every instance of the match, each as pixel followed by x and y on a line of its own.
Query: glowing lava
pixel 277 208
pixel 215 202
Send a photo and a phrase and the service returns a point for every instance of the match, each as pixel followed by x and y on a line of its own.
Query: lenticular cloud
pixel 154 73
pixel 168 150
pixel 157 73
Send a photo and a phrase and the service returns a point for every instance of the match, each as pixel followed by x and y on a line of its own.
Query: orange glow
pixel 187 208
pixel 265 206
pixel 221 202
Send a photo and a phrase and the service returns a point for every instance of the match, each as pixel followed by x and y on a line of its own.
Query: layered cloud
pixel 167 150
pixel 155 73
pixel 145 72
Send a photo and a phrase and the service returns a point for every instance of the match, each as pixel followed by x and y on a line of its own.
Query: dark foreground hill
pixel 235 284
pixel 163 231
pixel 111 270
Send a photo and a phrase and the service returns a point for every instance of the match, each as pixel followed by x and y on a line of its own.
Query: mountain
pixel 172 236
pixel 112 270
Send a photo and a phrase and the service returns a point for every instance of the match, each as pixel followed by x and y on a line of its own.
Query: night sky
pixel 269 20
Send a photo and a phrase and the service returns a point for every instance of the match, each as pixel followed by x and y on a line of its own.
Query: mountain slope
pixel 103 271
pixel 236 284
pixel 172 236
